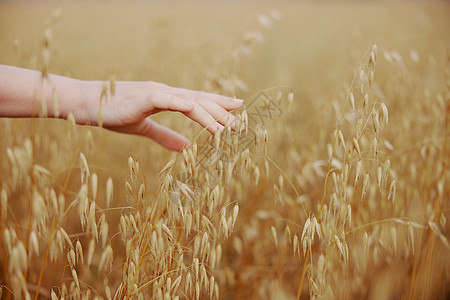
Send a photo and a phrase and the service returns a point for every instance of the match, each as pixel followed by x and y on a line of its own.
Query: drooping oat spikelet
pixel 167 231
pixel 349 215
pixel 366 102
pixel 365 185
pixel 75 278
pixel 91 221
pixel 235 214
pixel 358 171
pixel 83 204
pixel 71 259
pixel 106 259
pixel 53 295
pixel 375 122
pixel 287 235
pixel 392 188
pixel 91 250
pixel 361 79
pixel 352 101
pixel 306 228
pixel 104 229
pixel 94 185
pixel 109 191
pixel 295 245
pixel 356 147
pixel 79 252
pixel 33 244
pixel 128 188
pixel 371 77
pixel 384 114
pixel 3 205
pixel 224 224
pixel 274 236
pixel 375 147
pixel 108 292
pixel 211 287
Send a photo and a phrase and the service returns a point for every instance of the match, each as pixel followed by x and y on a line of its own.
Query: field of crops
pixel 337 187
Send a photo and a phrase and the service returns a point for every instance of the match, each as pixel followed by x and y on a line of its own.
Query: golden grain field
pixel 336 188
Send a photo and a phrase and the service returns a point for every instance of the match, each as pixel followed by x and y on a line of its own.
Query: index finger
pixel 227 103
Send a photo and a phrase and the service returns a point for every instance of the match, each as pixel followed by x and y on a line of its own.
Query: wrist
pixel 79 97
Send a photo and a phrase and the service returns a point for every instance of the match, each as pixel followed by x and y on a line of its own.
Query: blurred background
pixel 314 48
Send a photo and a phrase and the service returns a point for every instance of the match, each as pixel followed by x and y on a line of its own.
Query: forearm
pixel 22 91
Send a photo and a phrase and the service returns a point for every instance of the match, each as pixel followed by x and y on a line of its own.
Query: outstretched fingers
pixel 204 118
pixel 156 101
pixel 223 101
pixel 209 110
pixel 219 114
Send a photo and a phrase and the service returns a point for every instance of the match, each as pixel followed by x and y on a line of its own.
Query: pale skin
pixel 125 111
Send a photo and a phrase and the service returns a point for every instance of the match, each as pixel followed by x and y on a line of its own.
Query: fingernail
pixel 239 101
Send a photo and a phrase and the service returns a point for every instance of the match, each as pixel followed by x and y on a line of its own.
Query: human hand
pixel 124 110
pixel 127 109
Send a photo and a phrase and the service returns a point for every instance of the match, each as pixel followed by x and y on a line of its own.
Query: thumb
pixel 166 137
